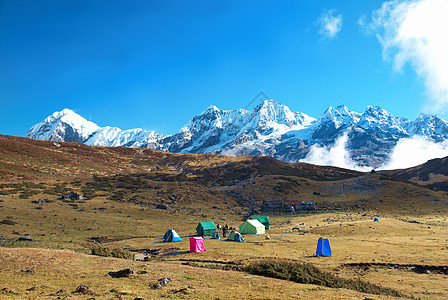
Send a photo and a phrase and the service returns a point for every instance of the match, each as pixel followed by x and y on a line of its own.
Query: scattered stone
pixel 165 281
pixel 61 292
pixel 139 298
pixel 162 282
pixel 25 238
pixel 155 286
pixel 82 289
pixel 182 290
pixel 121 273
pixel 27 272
pixel 162 206
pixel 3 200
pixel 41 201
pixel 33 288
pixel 7 291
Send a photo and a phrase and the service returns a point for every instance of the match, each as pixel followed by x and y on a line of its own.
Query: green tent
pixel 262 219
pixel 235 236
pixel 252 227
pixel 206 228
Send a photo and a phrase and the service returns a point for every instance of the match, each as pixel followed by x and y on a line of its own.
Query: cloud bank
pixel 329 25
pixel 414 32
pixel 415 151
pixel 336 155
pixel 407 153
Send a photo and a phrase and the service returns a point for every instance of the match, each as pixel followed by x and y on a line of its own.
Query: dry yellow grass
pixel 208 188
pixel 41 273
pixel 354 238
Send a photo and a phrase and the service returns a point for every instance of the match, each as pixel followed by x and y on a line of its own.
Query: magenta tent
pixel 197 244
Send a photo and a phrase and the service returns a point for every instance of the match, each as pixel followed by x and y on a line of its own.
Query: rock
pixel 25 238
pixel 8 222
pixel 182 290
pixel 162 282
pixel 7 291
pixel 165 281
pixel 155 286
pixel 162 206
pixel 121 273
pixel 3 200
pixel 82 289
pixel 41 201
pixel 61 292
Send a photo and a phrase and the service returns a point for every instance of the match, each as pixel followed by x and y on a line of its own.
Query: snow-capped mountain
pixel 269 129
pixel 68 126
pixel 236 132
pixel 64 125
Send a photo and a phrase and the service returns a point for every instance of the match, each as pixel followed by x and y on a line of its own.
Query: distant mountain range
pixel 270 129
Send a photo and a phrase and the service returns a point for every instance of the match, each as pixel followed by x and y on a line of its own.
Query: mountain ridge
pixel 270 129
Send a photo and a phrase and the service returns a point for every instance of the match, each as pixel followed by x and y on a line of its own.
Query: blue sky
pixel 157 64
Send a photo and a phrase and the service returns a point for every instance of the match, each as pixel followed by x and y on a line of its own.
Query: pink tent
pixel 197 244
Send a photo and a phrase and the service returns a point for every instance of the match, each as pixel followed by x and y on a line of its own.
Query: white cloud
pixel 415 32
pixel 329 25
pixel 414 151
pixel 407 153
pixel 336 155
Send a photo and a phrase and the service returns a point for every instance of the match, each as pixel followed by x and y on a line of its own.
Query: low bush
pixel 309 274
pixel 111 252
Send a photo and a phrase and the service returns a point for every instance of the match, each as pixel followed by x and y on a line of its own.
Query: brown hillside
pixel 433 174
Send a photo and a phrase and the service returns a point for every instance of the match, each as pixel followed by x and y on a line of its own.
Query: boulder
pixel 25 238
pixel 82 289
pixel 121 273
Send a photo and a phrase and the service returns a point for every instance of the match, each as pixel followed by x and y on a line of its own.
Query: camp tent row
pixel 251 226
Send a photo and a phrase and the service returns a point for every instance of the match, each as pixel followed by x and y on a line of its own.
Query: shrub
pixel 8 222
pixel 111 252
pixel 309 274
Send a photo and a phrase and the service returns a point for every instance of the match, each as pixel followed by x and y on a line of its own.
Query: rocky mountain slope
pixel 270 129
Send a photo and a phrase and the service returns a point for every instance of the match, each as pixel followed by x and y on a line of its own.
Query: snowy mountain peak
pixel 63 125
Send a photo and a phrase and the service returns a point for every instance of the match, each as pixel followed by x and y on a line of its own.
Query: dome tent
pixel 252 227
pixel 235 236
pixel 376 219
pixel 171 236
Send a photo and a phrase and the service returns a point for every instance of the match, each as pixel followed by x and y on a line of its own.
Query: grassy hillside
pixel 132 196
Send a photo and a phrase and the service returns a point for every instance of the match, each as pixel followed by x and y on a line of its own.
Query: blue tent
pixel 235 236
pixel 171 236
pixel 376 219
pixel 323 247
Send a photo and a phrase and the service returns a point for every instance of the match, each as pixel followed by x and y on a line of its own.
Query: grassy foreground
pixel 28 272
pixel 133 196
